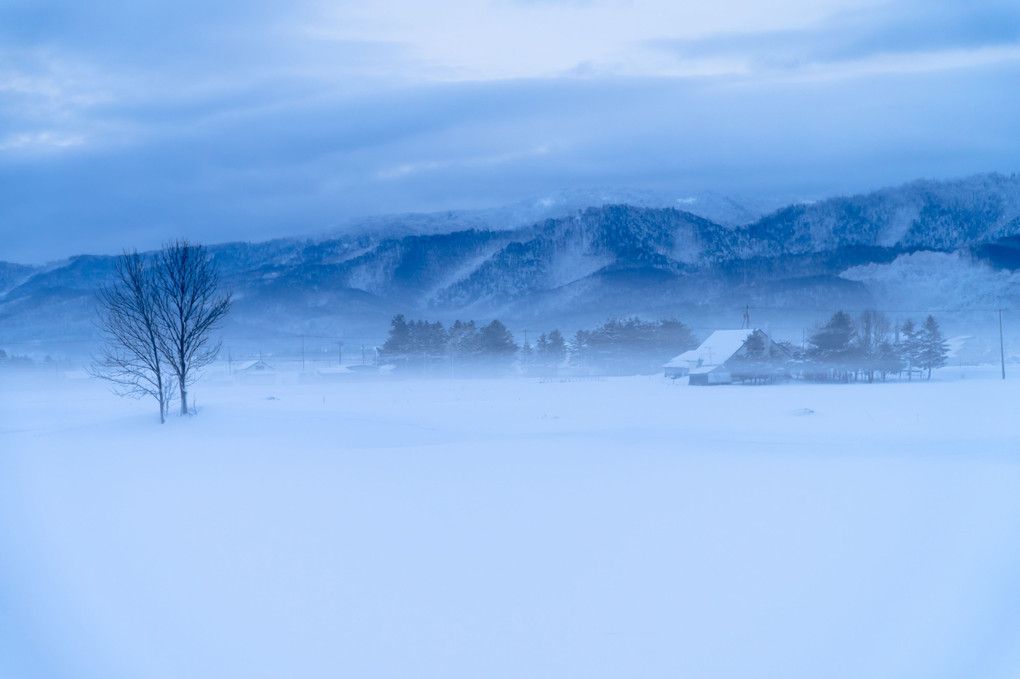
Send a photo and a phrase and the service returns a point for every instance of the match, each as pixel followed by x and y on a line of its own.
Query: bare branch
pixel 131 359
pixel 189 307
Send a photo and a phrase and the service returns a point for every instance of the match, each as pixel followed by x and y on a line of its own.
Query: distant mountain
pixel 722 209
pixel 924 245
pixel 12 275
pixel 731 210
pixel 922 215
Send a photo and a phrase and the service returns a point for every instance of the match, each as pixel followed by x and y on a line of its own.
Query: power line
pixel 828 310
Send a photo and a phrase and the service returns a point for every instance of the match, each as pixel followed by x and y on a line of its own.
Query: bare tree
pixel 189 306
pixel 131 358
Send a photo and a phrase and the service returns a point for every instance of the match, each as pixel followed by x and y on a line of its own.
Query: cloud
pixel 269 171
pixel 37 140
pixel 123 125
pixel 568 3
pixel 895 30
pixel 407 169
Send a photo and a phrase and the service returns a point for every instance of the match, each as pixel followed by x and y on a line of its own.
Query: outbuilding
pixel 255 372
pixel 728 356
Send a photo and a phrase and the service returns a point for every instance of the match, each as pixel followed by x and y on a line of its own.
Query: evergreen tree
pixel 431 340
pixel 496 342
pixel 631 345
pixel 832 347
pixel 751 361
pixel 890 360
pixel 673 337
pixel 541 346
pixel 463 342
pixel 399 341
pixel 760 360
pixel 932 349
pixel 910 347
pixel 550 350
pixel 754 347
pixel 415 343
pixel 580 350
pixel 557 348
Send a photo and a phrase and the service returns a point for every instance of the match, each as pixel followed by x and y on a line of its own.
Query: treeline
pixel 618 346
pixel 843 348
pixel 871 346
pixel 630 345
pixel 20 361
pixel 423 346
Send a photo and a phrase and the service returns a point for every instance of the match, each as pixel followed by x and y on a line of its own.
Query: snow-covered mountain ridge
pixel 592 263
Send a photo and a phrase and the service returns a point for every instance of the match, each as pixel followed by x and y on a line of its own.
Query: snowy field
pixel 481 528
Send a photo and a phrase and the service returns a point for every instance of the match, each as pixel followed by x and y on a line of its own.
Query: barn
pixel 728 356
pixel 255 372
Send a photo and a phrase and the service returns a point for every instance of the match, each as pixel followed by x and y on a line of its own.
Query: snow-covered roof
pixel 248 365
pixel 705 369
pixel 716 350
pixel 956 344
pixel 683 360
pixel 334 370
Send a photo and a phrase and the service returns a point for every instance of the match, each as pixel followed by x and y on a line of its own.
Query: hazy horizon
pixel 126 126
pixel 764 202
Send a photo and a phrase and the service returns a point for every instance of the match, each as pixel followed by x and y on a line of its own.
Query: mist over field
pixel 444 494
pixel 518 338
pixel 466 527
pixel 620 440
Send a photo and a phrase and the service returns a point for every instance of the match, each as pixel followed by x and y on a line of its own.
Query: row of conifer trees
pixel 618 345
pixel 843 348
pixel 871 346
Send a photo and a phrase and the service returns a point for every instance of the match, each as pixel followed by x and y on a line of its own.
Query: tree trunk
pixel 162 399
pixel 184 402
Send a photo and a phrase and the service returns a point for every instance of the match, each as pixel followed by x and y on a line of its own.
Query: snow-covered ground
pixel 481 528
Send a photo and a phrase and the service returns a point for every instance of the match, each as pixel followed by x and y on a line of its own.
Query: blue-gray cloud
pixel 226 128
pixel 267 171
pixel 568 3
pixel 932 26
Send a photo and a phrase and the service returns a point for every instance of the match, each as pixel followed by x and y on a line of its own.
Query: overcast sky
pixel 125 123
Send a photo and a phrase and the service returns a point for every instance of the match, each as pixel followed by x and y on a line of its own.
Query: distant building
pixel 346 373
pixel 333 374
pixel 258 367
pixel 728 356
pixel 255 372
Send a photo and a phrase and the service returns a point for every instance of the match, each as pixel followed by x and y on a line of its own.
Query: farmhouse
pixel 346 373
pixel 258 367
pixel 255 372
pixel 728 356
pixel 333 374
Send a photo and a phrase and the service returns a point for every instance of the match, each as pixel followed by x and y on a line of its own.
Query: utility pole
pixel 747 317
pixel 340 353
pixel 1002 349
